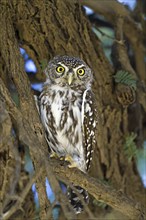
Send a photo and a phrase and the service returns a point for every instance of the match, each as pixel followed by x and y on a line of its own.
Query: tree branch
pixel 25 118
pixel 110 10
pixel 100 191
pixel 22 196
pixel 113 9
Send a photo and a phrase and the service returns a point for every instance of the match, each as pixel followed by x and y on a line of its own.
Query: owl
pixel 68 114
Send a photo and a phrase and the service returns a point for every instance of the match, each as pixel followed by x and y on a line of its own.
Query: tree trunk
pixel 45 29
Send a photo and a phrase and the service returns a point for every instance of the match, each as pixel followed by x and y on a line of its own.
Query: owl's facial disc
pixel 69 75
pixel 69 72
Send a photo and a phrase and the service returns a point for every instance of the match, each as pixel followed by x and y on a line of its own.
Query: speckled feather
pixel 89 127
pixel 84 135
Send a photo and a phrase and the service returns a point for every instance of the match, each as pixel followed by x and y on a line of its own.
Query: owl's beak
pixel 70 79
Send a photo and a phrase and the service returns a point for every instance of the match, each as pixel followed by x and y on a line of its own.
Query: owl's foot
pixel 54 155
pixel 66 158
pixel 62 158
pixel 69 159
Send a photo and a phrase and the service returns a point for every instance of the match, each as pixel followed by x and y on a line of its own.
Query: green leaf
pixel 126 78
pixel 130 147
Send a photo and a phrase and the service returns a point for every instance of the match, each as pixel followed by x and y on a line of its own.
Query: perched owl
pixel 68 114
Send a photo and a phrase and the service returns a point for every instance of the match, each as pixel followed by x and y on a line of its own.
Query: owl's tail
pixel 77 200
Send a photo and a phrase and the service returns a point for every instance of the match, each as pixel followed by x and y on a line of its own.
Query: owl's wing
pixel 89 120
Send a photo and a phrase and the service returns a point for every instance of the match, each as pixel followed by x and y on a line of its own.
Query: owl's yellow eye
pixel 80 72
pixel 60 69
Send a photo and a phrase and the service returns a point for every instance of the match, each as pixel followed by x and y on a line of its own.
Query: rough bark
pixel 48 28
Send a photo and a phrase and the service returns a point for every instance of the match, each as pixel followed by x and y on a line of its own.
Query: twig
pixel 121 49
pixel 22 196
pixel 8 142
pixel 103 33
pixel 15 177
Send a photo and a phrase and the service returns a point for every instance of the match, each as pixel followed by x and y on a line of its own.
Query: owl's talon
pixel 54 155
pixel 62 158
pixel 73 165
pixel 69 159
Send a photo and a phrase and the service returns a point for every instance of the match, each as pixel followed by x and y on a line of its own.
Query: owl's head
pixel 68 71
